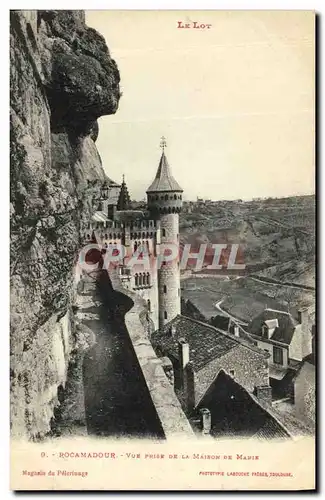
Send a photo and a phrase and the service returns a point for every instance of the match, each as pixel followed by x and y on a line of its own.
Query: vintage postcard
pixel 163 323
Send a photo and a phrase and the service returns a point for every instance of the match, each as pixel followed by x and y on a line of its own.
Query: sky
pixel 235 101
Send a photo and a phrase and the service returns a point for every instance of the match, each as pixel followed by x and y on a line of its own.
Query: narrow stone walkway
pixel 117 401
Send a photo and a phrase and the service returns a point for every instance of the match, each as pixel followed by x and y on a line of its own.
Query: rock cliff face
pixel 62 80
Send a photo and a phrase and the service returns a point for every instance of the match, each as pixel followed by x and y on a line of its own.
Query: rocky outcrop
pixel 62 80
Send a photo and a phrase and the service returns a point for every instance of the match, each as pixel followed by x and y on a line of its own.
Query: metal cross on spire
pixel 163 143
pixel 123 178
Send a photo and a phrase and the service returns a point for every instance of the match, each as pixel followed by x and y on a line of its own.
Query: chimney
pixel 189 387
pixel 236 330
pixel 206 421
pixel 183 353
pixel 303 316
pixel 306 333
pixel 263 393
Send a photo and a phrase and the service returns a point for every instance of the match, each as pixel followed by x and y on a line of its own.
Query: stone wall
pixel 62 79
pixel 250 369
pixel 173 420
pixel 304 394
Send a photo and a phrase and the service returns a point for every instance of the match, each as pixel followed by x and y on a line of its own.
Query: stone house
pixel 199 351
pixel 286 340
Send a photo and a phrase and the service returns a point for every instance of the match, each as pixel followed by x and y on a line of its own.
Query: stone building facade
pixel 147 267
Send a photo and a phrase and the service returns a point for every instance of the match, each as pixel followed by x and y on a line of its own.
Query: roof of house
pixel 130 215
pixel 283 332
pixel 109 182
pixel 164 181
pixel 270 425
pixel 306 367
pixel 206 342
pixel 272 323
pixel 100 216
pixel 274 425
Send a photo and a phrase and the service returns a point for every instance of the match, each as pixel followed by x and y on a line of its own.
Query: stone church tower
pixel 164 204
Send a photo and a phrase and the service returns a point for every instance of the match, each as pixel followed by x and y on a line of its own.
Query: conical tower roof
pixel 124 201
pixel 164 181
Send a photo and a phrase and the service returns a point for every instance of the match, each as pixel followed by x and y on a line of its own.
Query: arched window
pixel 149 305
pixel 157 198
pixel 165 289
pixel 163 232
pixel 165 314
pixel 148 279
pixel 166 197
pixel 136 277
pixel 143 235
pixel 135 246
pixel 114 236
pixel 106 236
pixel 175 196
pixel 140 279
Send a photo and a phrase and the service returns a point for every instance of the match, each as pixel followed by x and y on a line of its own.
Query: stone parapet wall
pixel 168 408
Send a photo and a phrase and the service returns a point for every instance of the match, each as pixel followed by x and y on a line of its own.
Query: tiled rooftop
pixel 233 406
pixel 282 333
pixel 206 342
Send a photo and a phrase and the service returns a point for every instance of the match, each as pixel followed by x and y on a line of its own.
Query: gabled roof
pixel 128 216
pixel 267 426
pixel 100 216
pixel 164 181
pixel 109 182
pixel 205 341
pixel 282 333
pixel 272 323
